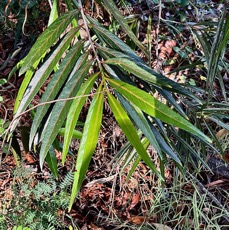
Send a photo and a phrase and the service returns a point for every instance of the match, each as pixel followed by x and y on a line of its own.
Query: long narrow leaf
pixel 42 74
pixel 60 110
pixel 141 122
pixel 111 7
pixel 145 73
pixel 55 84
pixel 47 39
pixel 88 142
pixel 74 113
pixel 130 131
pixel 155 108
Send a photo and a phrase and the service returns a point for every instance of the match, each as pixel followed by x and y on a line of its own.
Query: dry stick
pixel 50 102
pixel 214 199
pixel 157 32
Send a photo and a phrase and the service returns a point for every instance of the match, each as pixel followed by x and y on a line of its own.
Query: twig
pixel 45 103
pixel 157 32
pixel 88 33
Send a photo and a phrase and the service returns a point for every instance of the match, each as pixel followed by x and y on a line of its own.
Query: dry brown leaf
pixel 138 220
pixel 135 201
pixel 94 227
pixel 221 134
pixel 214 183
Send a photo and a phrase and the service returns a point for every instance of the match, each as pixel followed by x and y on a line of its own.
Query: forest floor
pixel 107 201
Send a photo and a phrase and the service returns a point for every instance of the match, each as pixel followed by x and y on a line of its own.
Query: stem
pixel 88 33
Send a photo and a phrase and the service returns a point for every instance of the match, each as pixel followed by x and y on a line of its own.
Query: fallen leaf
pixel 138 220
pixel 221 134
pixel 135 201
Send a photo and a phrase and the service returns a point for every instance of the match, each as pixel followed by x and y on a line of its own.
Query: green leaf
pixel 88 142
pixel 111 7
pixel 75 134
pixel 60 110
pixel 143 72
pixel 55 84
pixel 112 40
pixel 24 85
pixel 52 162
pixel 47 39
pixel 25 97
pixel 141 122
pixel 74 112
pixel 130 131
pixel 155 108
pixel 54 12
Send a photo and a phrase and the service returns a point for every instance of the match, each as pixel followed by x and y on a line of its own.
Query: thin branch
pixel 88 33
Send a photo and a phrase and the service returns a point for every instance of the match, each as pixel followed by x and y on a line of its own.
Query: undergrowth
pixel 34 203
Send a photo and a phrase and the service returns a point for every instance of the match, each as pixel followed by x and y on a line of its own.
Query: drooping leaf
pixel 164 144
pixel 143 72
pixel 111 7
pixel 112 40
pixel 60 110
pixel 74 112
pixel 88 142
pixel 25 97
pixel 141 122
pixel 155 108
pixel 55 84
pixel 52 162
pixel 47 39
pixel 128 128
pixel 54 12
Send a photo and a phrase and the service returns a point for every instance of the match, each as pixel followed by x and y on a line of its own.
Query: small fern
pixel 35 205
pixel 67 181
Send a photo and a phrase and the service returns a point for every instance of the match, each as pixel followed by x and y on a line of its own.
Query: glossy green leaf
pixel 76 134
pixel 52 162
pixel 54 12
pixel 155 108
pixel 55 84
pixel 112 40
pixel 60 110
pixel 24 98
pixel 74 112
pixel 88 142
pixel 139 119
pixel 128 128
pixel 145 73
pixel 47 39
pixel 111 7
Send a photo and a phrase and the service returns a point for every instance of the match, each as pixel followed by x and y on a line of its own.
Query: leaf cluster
pixel 103 67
